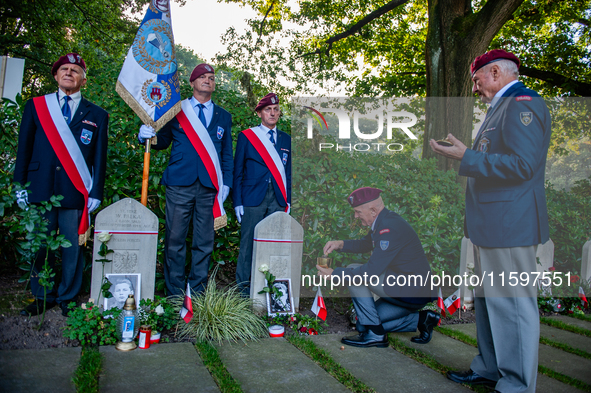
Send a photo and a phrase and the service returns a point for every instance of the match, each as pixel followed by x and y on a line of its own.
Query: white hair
pixel 507 67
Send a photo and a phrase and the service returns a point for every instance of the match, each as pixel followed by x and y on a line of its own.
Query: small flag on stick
pixel 318 307
pixel 440 303
pixel 452 303
pixel 583 297
pixel 187 308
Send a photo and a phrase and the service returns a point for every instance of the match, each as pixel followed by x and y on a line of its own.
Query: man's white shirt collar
pixel 74 102
pixel 500 93
pixel 207 110
pixel 267 129
pixel 208 105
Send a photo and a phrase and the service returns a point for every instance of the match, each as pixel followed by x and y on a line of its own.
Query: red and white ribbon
pixel 260 141
pixel 204 146
pixel 66 148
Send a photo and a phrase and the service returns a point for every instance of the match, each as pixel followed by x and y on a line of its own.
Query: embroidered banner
pixel 148 81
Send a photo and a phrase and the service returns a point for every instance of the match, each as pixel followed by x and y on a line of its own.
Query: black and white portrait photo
pixel 281 304
pixel 123 285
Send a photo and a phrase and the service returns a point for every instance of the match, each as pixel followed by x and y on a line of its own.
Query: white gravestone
pixel 586 261
pixel 278 243
pixel 467 267
pixel 134 230
pixel 545 254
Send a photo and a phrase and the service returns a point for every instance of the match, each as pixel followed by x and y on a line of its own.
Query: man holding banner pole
pixel 197 180
pixel 62 150
pixel 262 180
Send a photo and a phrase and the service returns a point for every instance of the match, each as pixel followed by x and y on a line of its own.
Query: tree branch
pixel 491 18
pixel 263 22
pixel 582 89
pixel 357 26
pixel 584 22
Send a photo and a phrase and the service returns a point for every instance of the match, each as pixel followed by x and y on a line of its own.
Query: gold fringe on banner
pixel 139 110
pixel 220 222
pixel 82 239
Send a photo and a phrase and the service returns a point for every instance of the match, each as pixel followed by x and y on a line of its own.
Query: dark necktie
pixel 66 111
pixel 271 137
pixel 202 115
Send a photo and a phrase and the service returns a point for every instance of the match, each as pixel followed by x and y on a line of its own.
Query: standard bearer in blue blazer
pixel 191 191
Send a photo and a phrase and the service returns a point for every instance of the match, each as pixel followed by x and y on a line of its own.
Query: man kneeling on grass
pixel 396 256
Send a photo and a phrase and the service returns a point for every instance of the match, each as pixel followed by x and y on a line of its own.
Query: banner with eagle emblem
pixel 148 81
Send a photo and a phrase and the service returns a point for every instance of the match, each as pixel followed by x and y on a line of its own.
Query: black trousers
pixel 252 216
pixel 183 204
pixel 66 220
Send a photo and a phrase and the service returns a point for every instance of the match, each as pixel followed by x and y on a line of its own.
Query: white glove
pixel 146 132
pixel 225 192
pixel 22 199
pixel 93 204
pixel 288 208
pixel 239 212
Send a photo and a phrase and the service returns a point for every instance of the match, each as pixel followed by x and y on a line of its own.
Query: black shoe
pixel 366 339
pixel 427 321
pixel 469 378
pixel 65 308
pixel 36 308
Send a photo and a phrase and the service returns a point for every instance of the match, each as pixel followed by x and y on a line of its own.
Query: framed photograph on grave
pixel 123 285
pixel 283 304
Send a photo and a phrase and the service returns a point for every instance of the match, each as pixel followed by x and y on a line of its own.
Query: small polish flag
pixel 452 303
pixel 187 308
pixel 440 303
pixel 583 297
pixel 318 307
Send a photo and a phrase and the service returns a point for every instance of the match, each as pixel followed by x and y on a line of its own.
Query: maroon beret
pixel 489 57
pixel 269 99
pixel 363 195
pixel 200 70
pixel 70 58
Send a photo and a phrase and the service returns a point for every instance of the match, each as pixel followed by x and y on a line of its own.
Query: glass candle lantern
pixel 128 326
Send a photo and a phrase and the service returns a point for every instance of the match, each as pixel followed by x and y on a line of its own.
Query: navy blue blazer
pixel 395 251
pixel 185 166
pixel 505 195
pixel 251 174
pixel 36 161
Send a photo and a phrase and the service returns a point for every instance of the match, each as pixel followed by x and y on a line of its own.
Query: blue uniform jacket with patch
pixel 36 161
pixel 396 251
pixel 251 174
pixel 185 166
pixel 505 196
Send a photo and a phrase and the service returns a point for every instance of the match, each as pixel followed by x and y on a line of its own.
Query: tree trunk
pixel 455 36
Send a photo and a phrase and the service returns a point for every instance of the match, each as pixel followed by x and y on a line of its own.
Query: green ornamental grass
pixel 221 315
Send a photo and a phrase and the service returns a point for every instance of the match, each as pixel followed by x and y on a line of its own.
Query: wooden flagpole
pixel 146 172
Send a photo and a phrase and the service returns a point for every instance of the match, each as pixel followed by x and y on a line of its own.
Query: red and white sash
pixel 67 150
pixel 260 141
pixel 204 146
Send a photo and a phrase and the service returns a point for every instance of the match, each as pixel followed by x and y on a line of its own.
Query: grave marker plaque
pixel 278 243
pixel 134 230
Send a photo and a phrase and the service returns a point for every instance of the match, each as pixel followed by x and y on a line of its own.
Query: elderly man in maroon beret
pixel 506 219
pixel 396 255
pixel 262 180
pixel 197 180
pixel 62 150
